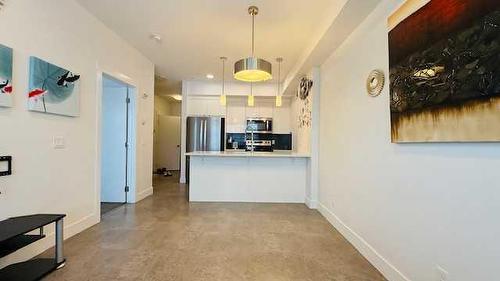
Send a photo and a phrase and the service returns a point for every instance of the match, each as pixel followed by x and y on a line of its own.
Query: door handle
pixel 200 139
pixel 205 137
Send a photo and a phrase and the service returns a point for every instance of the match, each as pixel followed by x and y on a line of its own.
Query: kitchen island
pixel 238 176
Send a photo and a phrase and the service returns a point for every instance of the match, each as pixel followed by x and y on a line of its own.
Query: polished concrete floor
pixel 108 207
pixel 166 238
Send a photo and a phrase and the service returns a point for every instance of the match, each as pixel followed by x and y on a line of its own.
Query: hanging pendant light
pixel 253 69
pixel 279 100
pixel 223 99
pixel 251 100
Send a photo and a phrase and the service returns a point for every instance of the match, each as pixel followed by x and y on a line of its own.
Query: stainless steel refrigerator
pixel 204 134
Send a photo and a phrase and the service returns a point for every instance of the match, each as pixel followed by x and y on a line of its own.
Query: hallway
pixel 165 238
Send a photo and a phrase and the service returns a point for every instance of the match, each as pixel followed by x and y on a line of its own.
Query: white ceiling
pixel 195 33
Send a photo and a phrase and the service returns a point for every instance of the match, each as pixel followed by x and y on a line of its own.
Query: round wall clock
pixel 375 83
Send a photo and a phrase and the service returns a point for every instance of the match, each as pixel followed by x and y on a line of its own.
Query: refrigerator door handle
pixel 200 137
pixel 205 148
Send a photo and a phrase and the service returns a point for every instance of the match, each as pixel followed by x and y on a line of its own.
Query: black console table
pixel 13 236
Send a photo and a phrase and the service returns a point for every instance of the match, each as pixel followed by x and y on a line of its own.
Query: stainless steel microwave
pixel 260 125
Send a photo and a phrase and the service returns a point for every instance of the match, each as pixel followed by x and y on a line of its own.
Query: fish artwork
pixel 5 87
pixel 36 93
pixel 53 89
pixel 66 78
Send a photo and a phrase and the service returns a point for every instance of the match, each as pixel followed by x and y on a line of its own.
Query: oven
pixel 259 145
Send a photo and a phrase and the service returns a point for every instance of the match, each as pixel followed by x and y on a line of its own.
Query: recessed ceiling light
pixel 210 76
pixel 155 37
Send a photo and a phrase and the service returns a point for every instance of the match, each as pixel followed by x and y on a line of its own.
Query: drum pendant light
pixel 253 69
pixel 279 100
pixel 223 99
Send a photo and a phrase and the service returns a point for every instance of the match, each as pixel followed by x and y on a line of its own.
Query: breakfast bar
pixel 227 176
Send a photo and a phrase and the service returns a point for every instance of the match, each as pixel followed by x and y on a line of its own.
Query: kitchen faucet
pixel 253 149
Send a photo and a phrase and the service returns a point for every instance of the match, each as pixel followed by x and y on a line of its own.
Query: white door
pixel 114 136
pixel 169 142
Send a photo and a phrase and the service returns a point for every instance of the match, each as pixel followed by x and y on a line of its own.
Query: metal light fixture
pixel 251 100
pixel 253 69
pixel 279 100
pixel 223 99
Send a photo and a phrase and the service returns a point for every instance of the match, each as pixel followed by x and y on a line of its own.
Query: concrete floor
pixel 108 207
pixel 166 238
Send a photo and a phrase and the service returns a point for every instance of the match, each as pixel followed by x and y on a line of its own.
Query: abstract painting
pixel 444 61
pixel 53 89
pixel 5 76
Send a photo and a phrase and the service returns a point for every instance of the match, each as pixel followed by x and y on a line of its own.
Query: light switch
pixel 59 142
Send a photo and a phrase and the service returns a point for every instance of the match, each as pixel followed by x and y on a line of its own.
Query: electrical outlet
pixel 441 274
pixel 59 142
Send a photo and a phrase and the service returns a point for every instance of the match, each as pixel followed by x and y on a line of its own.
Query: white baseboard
pixel 312 204
pixel 143 194
pixel 49 241
pixel 385 267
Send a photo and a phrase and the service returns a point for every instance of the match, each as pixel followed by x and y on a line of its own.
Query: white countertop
pixel 239 153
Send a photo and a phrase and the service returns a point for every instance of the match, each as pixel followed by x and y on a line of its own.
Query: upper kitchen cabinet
pixel 235 116
pixel 205 106
pixel 281 118
pixel 263 108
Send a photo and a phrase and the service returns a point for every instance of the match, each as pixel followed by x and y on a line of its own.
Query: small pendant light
pixel 251 100
pixel 223 99
pixel 279 100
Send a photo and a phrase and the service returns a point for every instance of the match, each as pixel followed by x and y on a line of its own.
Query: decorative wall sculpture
pixel 445 72
pixel 53 89
pixel 305 108
pixel 375 83
pixel 5 76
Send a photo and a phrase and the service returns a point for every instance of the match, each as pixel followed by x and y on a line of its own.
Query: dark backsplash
pixel 281 141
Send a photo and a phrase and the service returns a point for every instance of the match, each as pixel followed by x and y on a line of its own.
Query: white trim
pixel 182 178
pixel 100 72
pixel 385 267
pixel 312 204
pixel 315 137
pixel 143 194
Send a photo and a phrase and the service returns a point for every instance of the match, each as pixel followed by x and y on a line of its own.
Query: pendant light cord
pixel 279 77
pixel 223 72
pixel 253 34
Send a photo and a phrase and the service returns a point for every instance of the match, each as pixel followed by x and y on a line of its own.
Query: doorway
pixel 118 117
pixel 167 135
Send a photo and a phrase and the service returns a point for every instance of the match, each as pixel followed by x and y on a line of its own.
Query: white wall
pixel 302 134
pixel 167 106
pixel 66 181
pixel 407 207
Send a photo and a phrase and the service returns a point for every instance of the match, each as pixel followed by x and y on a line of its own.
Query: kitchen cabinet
pixel 235 115
pixel 237 111
pixel 262 108
pixel 205 106
pixel 281 119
